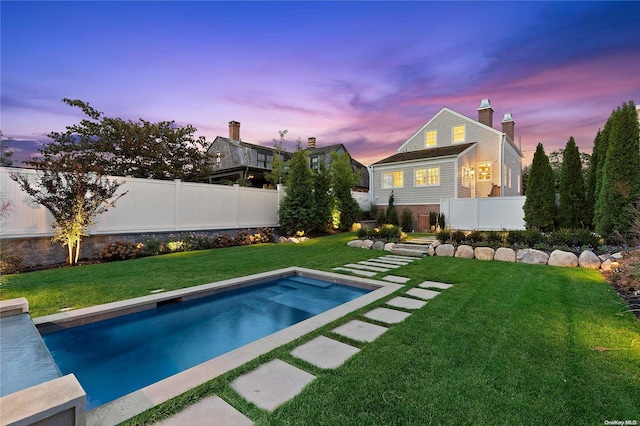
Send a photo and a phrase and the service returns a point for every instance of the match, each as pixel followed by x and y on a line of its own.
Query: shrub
pixel 381 218
pixel 152 246
pixel 11 264
pixel 406 219
pixel 458 236
pixel 443 235
pixel 363 233
pixel 441 222
pixel 433 220
pixel 495 237
pixel 390 233
pixel 529 237
pixel 475 237
pixel 120 250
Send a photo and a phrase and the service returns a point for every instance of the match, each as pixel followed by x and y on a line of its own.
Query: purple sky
pixel 365 74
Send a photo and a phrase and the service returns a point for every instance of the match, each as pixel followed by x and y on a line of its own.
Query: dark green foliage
pixel 433 220
pixel 620 187
pixel 571 211
pixel 343 180
pixel 392 213
pixel 441 221
pixel 443 235
pixel 540 204
pixel 572 238
pixel 475 237
pixel 323 200
pixel 297 209
pixel 406 220
pixel 387 233
pixel 381 218
pixel 529 237
pixel 278 173
pixel 458 236
pixel 141 149
pixel 591 194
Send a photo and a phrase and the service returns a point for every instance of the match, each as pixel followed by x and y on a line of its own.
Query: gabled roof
pixel 247 145
pixel 429 153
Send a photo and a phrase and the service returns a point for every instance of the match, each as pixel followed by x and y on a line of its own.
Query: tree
pixel 73 195
pixel 141 149
pixel 5 152
pixel 343 180
pixel 620 188
pixel 591 194
pixel 392 213
pixel 278 172
pixel 323 200
pixel 571 211
pixel 540 203
pixel 297 208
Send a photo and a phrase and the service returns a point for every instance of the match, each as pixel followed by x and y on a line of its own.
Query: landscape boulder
pixel 532 256
pixel 378 245
pixel 445 250
pixel 431 250
pixel 436 243
pixel 464 251
pixel 283 239
pixel 589 260
pixel 606 265
pixel 484 253
pixel 367 244
pixel 505 254
pixel 293 240
pixel 563 258
pixel 389 246
pixel 355 243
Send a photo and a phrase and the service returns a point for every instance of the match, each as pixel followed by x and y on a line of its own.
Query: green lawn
pixel 507 344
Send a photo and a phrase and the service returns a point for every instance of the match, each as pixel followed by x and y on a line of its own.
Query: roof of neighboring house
pixel 423 154
pixel 248 145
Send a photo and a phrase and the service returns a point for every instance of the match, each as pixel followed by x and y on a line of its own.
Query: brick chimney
pixel 311 143
pixel 508 125
pixel 234 130
pixel 485 113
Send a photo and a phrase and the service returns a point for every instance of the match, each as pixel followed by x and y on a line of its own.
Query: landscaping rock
pixel 303 239
pixel 532 256
pixel 484 253
pixel 378 245
pixel 504 254
pixel 606 265
pixel 389 246
pixel 604 257
pixel 283 239
pixel 618 255
pixel 367 244
pixel 445 250
pixel 293 240
pixel 589 260
pixel 563 258
pixel 431 251
pixel 355 243
pixel 464 251
pixel 436 243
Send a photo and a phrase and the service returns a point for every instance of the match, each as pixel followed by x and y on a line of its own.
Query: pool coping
pixel 141 400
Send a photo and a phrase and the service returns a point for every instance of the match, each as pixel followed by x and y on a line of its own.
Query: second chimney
pixel 508 125
pixel 311 143
pixel 485 113
pixel 234 130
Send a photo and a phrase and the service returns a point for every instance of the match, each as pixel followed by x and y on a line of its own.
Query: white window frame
pixel 464 133
pixel 389 179
pixel 426 138
pixel 437 175
pixel 466 177
pixel 424 177
pixel 482 177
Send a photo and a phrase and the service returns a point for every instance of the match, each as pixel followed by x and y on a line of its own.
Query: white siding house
pixel 450 156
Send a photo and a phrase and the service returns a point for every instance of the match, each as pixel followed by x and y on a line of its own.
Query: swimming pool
pixel 114 357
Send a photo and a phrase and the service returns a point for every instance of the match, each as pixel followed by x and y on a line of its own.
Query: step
pixel 408 252
pixel 418 247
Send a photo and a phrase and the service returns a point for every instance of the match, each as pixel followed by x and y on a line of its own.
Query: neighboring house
pixel 450 156
pixel 235 160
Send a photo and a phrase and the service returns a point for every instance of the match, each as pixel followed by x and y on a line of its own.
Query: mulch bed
pixel 625 280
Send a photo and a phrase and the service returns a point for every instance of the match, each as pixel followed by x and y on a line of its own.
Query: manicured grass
pixel 507 344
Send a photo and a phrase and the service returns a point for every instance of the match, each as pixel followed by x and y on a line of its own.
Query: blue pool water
pixel 118 356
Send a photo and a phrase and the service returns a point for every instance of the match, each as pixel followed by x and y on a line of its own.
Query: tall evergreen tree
pixel 591 195
pixel 297 208
pixel 571 212
pixel 343 180
pixel 540 203
pixel 323 200
pixel 620 187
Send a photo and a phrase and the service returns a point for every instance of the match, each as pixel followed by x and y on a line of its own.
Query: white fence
pixel 491 213
pixel 151 205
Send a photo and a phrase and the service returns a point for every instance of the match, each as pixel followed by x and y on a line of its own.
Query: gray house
pixel 450 156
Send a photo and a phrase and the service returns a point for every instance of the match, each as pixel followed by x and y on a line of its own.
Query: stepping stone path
pixel 372 267
pixel 276 381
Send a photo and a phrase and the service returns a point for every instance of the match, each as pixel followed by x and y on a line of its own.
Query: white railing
pixel 151 206
pixel 491 213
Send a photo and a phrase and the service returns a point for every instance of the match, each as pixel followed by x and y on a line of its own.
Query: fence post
pixel 178 205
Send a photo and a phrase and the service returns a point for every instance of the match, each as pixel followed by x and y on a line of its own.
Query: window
pixel 314 163
pixel 433 176
pixel 484 171
pixel 420 177
pixel 393 179
pixel 264 160
pixel 218 157
pixel 458 134
pixel 466 177
pixel 431 138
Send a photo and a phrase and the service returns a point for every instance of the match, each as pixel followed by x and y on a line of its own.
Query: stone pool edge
pixel 139 401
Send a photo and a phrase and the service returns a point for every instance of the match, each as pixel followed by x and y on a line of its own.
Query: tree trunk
pixel 70 249
pixel 77 251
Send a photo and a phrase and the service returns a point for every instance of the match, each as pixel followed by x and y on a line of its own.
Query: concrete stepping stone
pixel 401 258
pixel 356 271
pixel 272 384
pixel 406 303
pixel 389 316
pixel 368 268
pixel 422 293
pixel 378 264
pixel 434 284
pixel 211 410
pixel 360 331
pixel 389 261
pixel 396 279
pixel 324 352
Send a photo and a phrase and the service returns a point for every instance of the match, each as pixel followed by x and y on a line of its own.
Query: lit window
pixel 466 177
pixel 458 134
pixel 421 177
pixel 431 138
pixel 393 179
pixel 433 176
pixel 484 171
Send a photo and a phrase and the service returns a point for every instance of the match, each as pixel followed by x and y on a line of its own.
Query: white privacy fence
pixel 151 206
pixel 491 213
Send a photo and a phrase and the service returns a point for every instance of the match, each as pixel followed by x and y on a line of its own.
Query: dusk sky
pixel 365 74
